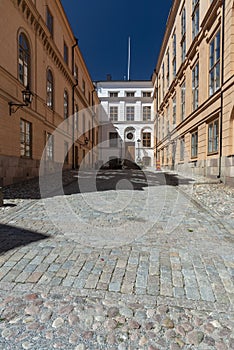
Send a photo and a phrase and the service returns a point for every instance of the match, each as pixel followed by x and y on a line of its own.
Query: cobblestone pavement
pixel 145 266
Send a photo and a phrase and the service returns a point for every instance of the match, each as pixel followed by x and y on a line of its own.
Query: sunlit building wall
pixel 39 51
pixel 194 89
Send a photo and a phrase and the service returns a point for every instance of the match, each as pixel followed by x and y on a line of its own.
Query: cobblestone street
pixel 141 260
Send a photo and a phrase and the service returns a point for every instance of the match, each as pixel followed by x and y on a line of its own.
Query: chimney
pixel 108 77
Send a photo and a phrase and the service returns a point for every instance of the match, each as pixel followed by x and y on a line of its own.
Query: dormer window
pixel 130 94
pixel 113 94
pixel 146 94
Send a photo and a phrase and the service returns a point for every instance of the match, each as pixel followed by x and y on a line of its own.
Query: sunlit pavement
pixel 123 260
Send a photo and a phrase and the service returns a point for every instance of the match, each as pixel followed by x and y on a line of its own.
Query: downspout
pixel 221 107
pixel 93 115
pixel 156 146
pixel 73 104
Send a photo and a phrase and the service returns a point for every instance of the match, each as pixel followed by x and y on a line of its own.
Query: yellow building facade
pixel 194 90
pixel 40 54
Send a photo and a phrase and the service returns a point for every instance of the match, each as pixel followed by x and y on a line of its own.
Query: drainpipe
pixel 93 115
pixel 73 104
pixel 156 146
pixel 222 84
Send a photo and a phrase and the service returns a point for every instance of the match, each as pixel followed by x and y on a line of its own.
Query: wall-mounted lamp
pixel 86 141
pixel 138 153
pixel 27 98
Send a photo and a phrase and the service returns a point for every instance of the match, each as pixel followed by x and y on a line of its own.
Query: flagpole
pixel 129 57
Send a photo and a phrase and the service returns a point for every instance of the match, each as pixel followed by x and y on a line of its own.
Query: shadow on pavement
pixel 91 181
pixel 110 180
pixel 12 237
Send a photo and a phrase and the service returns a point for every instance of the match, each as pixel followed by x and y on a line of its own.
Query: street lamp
pixel 27 98
pixel 121 148
pixel 138 155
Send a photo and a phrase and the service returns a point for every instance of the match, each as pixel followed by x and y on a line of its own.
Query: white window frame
pixel 114 113
pixel 195 86
pixel 130 113
pixel 214 64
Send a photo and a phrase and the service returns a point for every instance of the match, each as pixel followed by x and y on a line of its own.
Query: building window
pixel 182 149
pixel 146 142
pixel 65 104
pixel 159 128
pixel 195 18
pixel 163 127
pixel 146 94
pixel 183 101
pixel 50 21
pixel 174 55
pixel 174 110
pixel 89 130
pixel 167 154
pixel 214 71
pixel 213 136
pixel 146 113
pixel 183 34
pixel 163 156
pixel 83 123
pixel 25 139
pixel 163 80
pixel 183 50
pixel 76 117
pixel 113 138
pixel 66 156
pixel 65 52
pixel 130 94
pixel 76 72
pixel 113 94
pixel 24 60
pixel 168 69
pixel 83 86
pixel 195 85
pixel 114 113
pixel 168 122
pixel 50 89
pixel 130 113
pixel 194 144
pixel 159 89
pixel 49 146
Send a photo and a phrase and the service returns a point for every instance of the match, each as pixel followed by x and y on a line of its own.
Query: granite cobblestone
pixel 164 290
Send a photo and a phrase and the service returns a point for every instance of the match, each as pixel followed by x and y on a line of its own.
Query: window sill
pixel 212 153
pixel 25 157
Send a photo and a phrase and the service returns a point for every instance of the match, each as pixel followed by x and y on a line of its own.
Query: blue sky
pixel 103 27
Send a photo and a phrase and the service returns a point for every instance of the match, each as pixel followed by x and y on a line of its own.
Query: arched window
pixel 65 104
pixel 50 89
pixel 24 60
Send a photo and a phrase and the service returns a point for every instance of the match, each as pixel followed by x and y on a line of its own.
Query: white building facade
pixel 128 106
